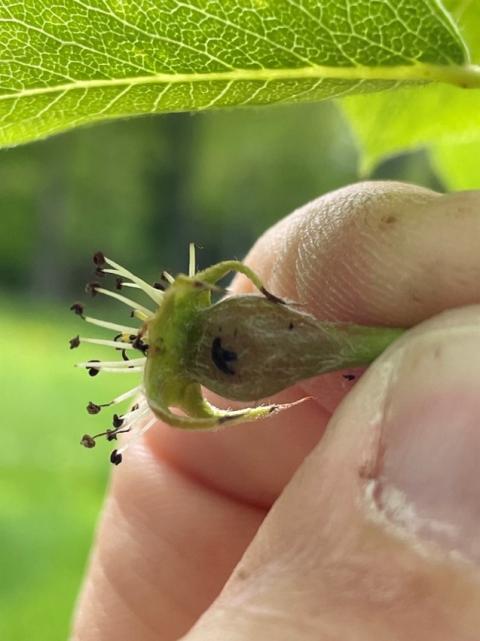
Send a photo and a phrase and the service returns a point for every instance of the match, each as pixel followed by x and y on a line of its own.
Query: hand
pixel 376 536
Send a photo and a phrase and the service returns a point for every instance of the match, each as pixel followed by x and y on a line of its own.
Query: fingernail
pixel 429 474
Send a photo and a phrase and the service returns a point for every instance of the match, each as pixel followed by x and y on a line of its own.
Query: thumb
pixel 376 536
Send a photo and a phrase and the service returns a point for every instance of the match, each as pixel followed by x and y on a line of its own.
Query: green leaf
pixel 466 14
pixel 438 117
pixel 410 118
pixel 73 62
pixel 457 164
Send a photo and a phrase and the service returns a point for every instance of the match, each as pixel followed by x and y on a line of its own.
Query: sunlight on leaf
pixel 437 117
pixel 410 118
pixel 457 164
pixel 74 62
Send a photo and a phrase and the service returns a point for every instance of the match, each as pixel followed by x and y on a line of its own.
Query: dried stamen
pixel 77 308
pixel 92 288
pixel 99 259
pixel 93 408
pixel 74 342
pixel 88 441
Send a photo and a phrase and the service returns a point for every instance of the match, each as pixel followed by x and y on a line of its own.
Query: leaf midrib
pixel 467 76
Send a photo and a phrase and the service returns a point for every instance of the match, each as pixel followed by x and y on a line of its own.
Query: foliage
pixel 77 62
pixel 440 117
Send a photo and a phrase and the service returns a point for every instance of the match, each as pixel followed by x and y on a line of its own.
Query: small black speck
pixel 349 377
pixel 221 357
pixel 291 326
pixel 74 342
pixel 115 457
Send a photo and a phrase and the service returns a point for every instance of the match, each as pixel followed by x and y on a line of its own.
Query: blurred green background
pixel 139 190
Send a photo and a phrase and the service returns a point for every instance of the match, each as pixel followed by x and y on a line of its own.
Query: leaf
pixel 466 14
pixel 457 164
pixel 410 118
pixel 438 117
pixel 74 62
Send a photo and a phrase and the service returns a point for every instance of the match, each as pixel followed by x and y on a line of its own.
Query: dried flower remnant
pixel 244 347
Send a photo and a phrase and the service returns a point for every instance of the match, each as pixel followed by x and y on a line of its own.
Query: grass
pixel 50 488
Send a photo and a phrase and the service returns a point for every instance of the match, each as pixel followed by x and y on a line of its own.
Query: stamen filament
pixel 123 299
pixel 191 260
pixel 107 325
pixel 118 370
pixel 125 395
pixel 141 316
pixel 168 277
pixel 137 435
pixel 101 341
pixel 121 271
pixel 102 364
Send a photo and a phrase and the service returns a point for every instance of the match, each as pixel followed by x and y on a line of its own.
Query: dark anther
pixel 272 297
pixel 119 282
pixel 273 409
pixel 140 345
pixel 77 308
pixel 349 377
pixel 117 421
pixel 115 457
pixel 99 259
pixel 159 286
pixel 221 357
pixel 93 371
pixel 74 342
pixel 124 355
pixel 99 272
pixel 91 288
pixel 134 408
pixel 111 435
pixel 87 441
pixel 93 408
pixel 132 337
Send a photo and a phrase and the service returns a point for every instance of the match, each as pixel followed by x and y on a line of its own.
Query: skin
pixel 321 548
